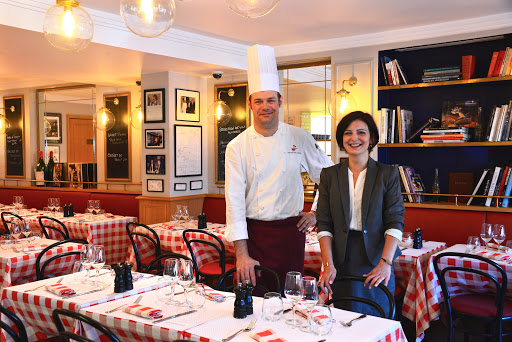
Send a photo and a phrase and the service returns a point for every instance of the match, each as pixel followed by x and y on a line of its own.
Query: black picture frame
pixel 54 135
pixel 154 105
pixel 196 185
pixel 153 167
pixel 187 105
pixel 180 186
pixel 188 151
pixel 155 185
pixel 155 138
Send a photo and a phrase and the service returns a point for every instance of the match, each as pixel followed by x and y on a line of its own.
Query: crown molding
pixel 467 26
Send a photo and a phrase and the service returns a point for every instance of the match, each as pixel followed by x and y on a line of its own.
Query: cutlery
pixel 137 301
pixel 81 294
pixel 249 328
pixel 322 340
pixel 94 275
pixel 174 316
pixel 349 323
pixel 35 288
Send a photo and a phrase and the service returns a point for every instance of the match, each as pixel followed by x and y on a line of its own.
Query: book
pixel 508 189
pixel 384 112
pixel 441 78
pixel 499 61
pixel 444 141
pixel 415 183
pixel 406 183
pixel 504 63
pixel 492 186
pixel 401 71
pixel 461 114
pixel 489 124
pixel 494 58
pixel 400 124
pixel 460 183
pixel 384 71
pixel 506 123
pixel 478 185
pixel 487 186
pixel 468 67
pixel 408 121
pixel 428 124
pixel 445 136
pixel 442 69
pixel 445 130
pixel 500 189
pixel 501 125
pixel 494 124
pixel 395 71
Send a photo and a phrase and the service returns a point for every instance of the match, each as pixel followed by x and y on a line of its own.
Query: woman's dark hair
pixel 364 117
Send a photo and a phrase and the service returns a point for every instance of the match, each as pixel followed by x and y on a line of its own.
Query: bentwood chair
pixel 229 276
pixel 53 226
pixel 157 263
pixel 65 335
pixel 6 222
pixel 210 269
pixel 464 310
pixel 41 266
pixel 385 291
pixel 18 336
pixel 137 231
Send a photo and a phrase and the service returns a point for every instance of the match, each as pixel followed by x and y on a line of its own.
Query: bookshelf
pixel 425 101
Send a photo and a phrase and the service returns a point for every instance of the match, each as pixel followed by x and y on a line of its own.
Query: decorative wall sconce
pixel 220 111
pixel 104 119
pixel 67 26
pixel 136 117
pixel 4 122
pixel 252 8
pixel 344 102
pixel 148 18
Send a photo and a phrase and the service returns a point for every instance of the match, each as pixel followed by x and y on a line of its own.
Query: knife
pixel 174 316
pixel 81 294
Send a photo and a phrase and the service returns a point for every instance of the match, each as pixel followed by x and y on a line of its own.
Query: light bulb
pixel 220 113
pixel 148 18
pixel 4 124
pixel 252 8
pixel 104 119
pixel 147 9
pixel 136 117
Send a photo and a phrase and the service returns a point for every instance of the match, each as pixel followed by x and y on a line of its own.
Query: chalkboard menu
pixel 14 144
pixel 117 143
pixel 238 123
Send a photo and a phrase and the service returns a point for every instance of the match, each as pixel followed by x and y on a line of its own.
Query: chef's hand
pixel 306 220
pixel 245 269
pixel 381 273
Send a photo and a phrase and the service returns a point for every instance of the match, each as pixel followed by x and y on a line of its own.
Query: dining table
pixel 17 261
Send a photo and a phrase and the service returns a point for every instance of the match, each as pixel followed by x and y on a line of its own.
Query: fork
pixel 249 328
pixel 349 323
pixel 35 288
pixel 137 301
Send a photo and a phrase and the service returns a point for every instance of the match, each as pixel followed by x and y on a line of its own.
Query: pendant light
pixel 252 8
pixel 104 119
pixel 148 18
pixel 345 103
pixel 220 112
pixel 67 26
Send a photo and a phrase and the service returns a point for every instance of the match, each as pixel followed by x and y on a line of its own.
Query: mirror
pixel 65 116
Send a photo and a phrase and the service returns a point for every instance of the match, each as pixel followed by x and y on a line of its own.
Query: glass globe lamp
pixel 136 117
pixel 344 101
pixel 148 18
pixel 220 113
pixel 4 124
pixel 67 26
pixel 252 8
pixel 103 119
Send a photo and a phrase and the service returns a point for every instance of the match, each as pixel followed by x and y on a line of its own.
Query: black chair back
pixel 50 226
pixel 219 247
pixel 385 290
pixel 40 269
pixel 156 263
pixel 21 334
pixel 229 275
pixel 499 301
pixel 68 335
pixel 141 230
pixel 6 222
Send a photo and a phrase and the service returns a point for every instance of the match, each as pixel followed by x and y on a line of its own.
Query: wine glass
pixel 309 298
pixel 293 291
pixel 498 234
pixel 486 233
pixel 97 206
pixel 171 274
pixel 99 261
pixel 90 206
pixel 186 274
pixel 36 238
pixel 472 244
pixel 87 256
pixel 179 213
pixel 26 230
pixel 184 214
pixel 16 230
pixel 56 203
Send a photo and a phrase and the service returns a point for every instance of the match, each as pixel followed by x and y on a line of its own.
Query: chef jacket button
pixel 281 190
pixel 365 231
pixel 277 209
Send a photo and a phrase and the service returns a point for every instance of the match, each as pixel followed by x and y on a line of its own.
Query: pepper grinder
pixel 71 213
pixel 240 306
pixel 128 277
pixel 201 221
pixel 66 210
pixel 119 281
pixel 418 239
pixel 248 297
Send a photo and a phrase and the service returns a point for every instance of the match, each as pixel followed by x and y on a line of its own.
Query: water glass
pixel 194 296
pixel 407 239
pixel 164 290
pixel 309 298
pixel 293 291
pixel 79 272
pixel 272 309
pixel 321 326
pixel 472 245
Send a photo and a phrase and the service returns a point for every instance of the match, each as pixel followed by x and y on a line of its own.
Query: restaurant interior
pixel 128 113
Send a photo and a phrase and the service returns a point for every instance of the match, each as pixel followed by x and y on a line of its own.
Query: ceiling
pixel 119 57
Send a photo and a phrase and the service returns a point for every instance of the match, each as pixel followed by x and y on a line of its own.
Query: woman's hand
pixel 327 278
pixel 381 273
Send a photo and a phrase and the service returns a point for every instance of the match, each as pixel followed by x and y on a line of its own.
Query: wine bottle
pixel 40 169
pixel 49 169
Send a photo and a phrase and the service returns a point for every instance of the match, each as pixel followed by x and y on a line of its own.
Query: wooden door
pixel 80 139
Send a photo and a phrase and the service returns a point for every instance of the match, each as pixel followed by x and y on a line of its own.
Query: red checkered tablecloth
pixel 19 267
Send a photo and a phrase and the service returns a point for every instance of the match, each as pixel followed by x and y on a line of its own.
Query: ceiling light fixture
pixel 344 102
pixel 252 8
pixel 67 26
pixel 104 119
pixel 148 18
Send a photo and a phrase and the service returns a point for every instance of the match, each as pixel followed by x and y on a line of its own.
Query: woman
pixel 360 216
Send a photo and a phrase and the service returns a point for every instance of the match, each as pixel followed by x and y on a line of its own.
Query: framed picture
pixel 155 185
pixel 155 138
pixel 56 153
pixel 155 165
pixel 53 127
pixel 188 154
pixel 154 105
pixel 180 186
pixel 187 105
pixel 196 185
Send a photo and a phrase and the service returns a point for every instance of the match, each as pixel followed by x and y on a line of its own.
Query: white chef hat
pixel 262 69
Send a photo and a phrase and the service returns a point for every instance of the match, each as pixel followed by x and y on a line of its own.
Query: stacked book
pixel 500 123
pixel 395 125
pixel 393 72
pixel 411 184
pixel 441 74
pixel 496 181
pixel 445 135
pixel 501 63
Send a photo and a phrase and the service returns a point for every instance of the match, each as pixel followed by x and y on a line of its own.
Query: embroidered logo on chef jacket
pixel 293 150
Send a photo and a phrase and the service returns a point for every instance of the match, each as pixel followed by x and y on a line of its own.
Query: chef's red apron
pixel 278 245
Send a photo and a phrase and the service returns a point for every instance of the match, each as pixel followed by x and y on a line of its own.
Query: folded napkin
pixel 495 246
pixel 315 314
pixel 60 290
pixel 494 256
pixel 34 248
pixel 143 311
pixel 168 225
pixel 109 215
pixel 213 294
pixel 266 335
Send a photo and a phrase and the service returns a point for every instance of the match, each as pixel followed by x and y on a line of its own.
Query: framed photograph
pixel 155 138
pixel 180 186
pixel 154 105
pixel 56 153
pixel 196 185
pixel 155 185
pixel 53 127
pixel 155 165
pixel 187 105
pixel 188 154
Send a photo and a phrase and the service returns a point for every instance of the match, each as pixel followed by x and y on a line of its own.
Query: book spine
pixel 383 124
pixel 494 124
pixel 409 172
pixel 468 67
pixel 489 125
pixel 508 190
pixel 448 68
pixel 497 188
pixel 384 71
pixel 444 141
pixel 445 136
pixel 492 187
pixel 401 71
pixel 399 123
pixel 493 63
pixel 504 62
pixel 502 185
pixel 508 120
pixel 499 61
pixel 478 185
pixel 440 78
pixel 405 182
pixel 395 71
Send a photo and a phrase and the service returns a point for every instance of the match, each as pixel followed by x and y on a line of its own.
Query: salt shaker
pixel 240 307
pixel 248 297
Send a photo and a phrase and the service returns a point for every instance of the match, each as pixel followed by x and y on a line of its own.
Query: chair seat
pixel 398 291
pixel 213 268
pixel 479 305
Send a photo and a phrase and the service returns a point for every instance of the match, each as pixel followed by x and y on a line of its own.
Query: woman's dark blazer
pixel 382 207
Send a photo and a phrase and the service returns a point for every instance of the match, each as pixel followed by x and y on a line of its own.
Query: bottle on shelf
pixel 40 170
pixel 49 170
pixel 435 186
